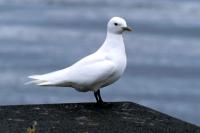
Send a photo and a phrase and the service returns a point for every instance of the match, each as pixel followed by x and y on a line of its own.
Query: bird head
pixel 117 25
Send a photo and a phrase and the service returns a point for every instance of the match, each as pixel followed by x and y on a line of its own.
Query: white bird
pixel 100 69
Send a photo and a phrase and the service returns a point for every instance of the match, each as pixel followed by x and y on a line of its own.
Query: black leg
pixel 99 100
pixel 96 96
pixel 99 95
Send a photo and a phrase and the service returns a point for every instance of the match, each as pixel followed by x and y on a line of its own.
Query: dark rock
pixel 124 117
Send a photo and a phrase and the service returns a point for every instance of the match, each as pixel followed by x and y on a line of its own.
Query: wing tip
pixel 33 76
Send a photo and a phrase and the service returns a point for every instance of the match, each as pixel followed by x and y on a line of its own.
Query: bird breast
pixel 120 66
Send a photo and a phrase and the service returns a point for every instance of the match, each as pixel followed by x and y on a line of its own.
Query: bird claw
pixel 103 104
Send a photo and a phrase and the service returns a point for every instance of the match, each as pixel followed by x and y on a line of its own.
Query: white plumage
pixel 97 70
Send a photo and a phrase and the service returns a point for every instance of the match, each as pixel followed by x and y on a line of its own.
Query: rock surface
pixel 121 117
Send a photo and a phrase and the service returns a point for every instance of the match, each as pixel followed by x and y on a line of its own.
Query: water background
pixel 163 72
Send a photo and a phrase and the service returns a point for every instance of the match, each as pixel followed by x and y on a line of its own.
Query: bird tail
pixel 38 80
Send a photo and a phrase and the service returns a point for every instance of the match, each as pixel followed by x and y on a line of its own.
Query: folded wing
pixel 88 71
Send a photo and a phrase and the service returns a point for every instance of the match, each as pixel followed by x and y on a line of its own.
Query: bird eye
pixel 115 24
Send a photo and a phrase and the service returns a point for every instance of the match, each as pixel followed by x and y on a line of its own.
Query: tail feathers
pixel 38 80
pixel 37 77
pixel 45 84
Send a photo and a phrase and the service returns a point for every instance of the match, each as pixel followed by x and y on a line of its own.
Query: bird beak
pixel 127 28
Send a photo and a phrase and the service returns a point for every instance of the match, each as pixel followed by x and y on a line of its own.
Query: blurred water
pixel 163 53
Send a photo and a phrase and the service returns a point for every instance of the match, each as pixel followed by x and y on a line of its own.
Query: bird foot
pixel 103 104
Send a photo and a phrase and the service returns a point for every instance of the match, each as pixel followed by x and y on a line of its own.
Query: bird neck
pixel 113 43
